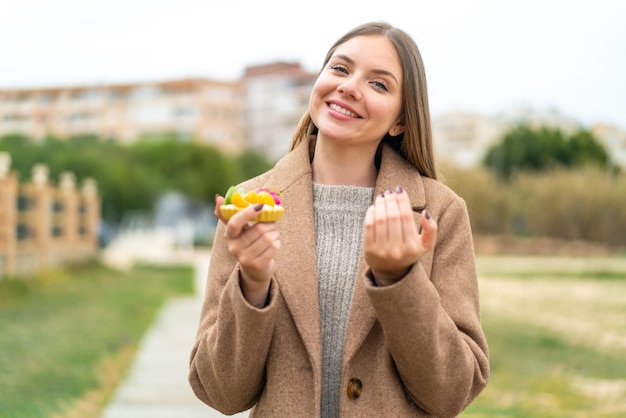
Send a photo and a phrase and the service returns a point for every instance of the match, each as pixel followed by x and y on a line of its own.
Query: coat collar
pixel 296 271
pixel 394 171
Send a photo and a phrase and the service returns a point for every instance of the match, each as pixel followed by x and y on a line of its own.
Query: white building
pixel 463 138
pixel 260 111
pixel 202 110
pixel 275 96
pixel 614 139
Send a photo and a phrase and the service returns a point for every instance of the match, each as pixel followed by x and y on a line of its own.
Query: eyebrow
pixel 376 71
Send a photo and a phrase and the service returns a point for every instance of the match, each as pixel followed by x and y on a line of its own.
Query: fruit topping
pixel 241 198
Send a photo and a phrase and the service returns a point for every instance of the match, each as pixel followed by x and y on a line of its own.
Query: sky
pixel 483 56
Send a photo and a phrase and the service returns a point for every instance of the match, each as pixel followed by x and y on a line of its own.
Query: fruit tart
pixel 237 199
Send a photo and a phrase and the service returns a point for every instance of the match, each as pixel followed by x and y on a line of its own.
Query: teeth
pixel 342 110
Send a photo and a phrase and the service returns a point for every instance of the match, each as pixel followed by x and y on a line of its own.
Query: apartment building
pixel 275 96
pixel 202 110
pixel 259 111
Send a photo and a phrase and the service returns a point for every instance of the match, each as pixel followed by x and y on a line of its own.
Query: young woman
pixel 362 301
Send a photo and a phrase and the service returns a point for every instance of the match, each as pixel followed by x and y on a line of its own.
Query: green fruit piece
pixel 229 194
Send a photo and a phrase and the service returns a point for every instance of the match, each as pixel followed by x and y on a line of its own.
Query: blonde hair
pixel 415 144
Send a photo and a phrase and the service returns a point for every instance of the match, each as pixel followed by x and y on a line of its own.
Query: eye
pixel 339 69
pixel 379 84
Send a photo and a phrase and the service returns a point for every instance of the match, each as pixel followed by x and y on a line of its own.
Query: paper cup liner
pixel 266 215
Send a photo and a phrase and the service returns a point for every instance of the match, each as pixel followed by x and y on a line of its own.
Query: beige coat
pixel 413 349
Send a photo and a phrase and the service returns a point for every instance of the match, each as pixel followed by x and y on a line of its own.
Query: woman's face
pixel 357 98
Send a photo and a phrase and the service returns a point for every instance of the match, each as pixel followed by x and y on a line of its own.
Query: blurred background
pixel 120 121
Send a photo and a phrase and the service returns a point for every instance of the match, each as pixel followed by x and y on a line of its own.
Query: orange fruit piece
pixel 238 200
pixel 252 197
pixel 266 198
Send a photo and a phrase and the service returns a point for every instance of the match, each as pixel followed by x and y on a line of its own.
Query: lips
pixel 343 110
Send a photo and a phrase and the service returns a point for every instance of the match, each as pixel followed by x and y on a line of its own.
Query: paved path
pixel 156 385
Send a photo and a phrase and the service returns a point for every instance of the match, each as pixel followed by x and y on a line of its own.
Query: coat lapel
pixel 296 263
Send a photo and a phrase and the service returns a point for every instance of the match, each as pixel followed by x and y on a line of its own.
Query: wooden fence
pixel 43 225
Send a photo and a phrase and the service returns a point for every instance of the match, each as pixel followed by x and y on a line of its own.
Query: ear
pixel 397 128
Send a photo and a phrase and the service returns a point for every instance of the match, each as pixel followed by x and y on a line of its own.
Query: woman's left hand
pixel 392 242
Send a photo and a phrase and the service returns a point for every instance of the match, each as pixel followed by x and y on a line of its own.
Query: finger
pixel 265 245
pixel 259 255
pixel 393 218
pixel 237 222
pixel 219 201
pixel 243 245
pixel 369 236
pixel 380 220
pixel 429 231
pixel 409 231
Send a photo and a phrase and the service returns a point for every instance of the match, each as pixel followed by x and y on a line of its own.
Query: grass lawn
pixel 556 329
pixel 68 335
pixel 557 336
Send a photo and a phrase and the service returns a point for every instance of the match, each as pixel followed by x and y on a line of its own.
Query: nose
pixel 350 88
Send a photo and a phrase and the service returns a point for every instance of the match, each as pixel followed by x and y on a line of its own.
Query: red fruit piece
pixel 272 192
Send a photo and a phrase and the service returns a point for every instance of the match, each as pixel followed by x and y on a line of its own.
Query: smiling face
pixel 357 98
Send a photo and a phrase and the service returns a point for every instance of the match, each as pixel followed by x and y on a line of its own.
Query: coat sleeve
pixel 431 320
pixel 227 363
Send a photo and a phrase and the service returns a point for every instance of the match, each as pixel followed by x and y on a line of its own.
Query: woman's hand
pixel 392 242
pixel 255 245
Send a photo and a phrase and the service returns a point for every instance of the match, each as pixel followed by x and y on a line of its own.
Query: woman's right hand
pixel 255 245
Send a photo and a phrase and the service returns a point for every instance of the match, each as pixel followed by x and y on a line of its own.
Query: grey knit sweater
pixel 339 214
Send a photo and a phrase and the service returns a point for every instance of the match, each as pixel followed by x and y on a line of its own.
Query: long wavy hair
pixel 415 144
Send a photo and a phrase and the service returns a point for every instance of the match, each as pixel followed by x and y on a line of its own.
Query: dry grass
pixel 557 333
pixel 585 204
pixel 553 293
pixel 583 312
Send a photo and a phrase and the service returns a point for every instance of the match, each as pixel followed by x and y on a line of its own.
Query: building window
pixel 144 93
pixel 23 232
pixel 23 203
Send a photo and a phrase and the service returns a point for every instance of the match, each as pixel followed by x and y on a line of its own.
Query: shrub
pixel 586 203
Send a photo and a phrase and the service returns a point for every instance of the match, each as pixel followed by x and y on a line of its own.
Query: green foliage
pixel 133 177
pixel 524 148
pixel 251 163
pixel 585 149
pixel 197 170
pixel 60 326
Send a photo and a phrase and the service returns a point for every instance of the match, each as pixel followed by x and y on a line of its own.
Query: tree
pixel 251 163
pixel 587 150
pixel 539 149
pixel 133 177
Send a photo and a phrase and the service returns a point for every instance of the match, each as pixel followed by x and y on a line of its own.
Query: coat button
pixel 355 387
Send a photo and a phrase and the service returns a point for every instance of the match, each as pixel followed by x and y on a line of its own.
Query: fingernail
pixel 217 195
pixel 399 189
pixel 427 214
pixel 387 191
pixel 258 207
pixel 381 195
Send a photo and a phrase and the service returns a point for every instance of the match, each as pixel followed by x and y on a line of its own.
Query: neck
pixel 344 165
